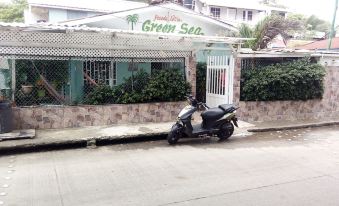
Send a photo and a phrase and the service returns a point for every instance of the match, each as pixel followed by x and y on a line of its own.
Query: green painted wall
pixel 76 81
pixel 202 54
pixel 124 73
pixel 5 77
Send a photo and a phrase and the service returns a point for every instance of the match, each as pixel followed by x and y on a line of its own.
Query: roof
pixel 321 45
pixel 166 8
pixel 277 53
pixel 62 28
pixel 88 5
pixel 244 4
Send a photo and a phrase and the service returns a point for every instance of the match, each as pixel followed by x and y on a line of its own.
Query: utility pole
pixel 333 25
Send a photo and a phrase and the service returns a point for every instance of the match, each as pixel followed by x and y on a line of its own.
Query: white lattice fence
pixel 75 44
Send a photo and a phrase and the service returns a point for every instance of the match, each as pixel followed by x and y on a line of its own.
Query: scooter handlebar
pixel 203 104
pixel 193 100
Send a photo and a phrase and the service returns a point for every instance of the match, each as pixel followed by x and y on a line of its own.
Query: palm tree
pixel 133 19
pixel 266 30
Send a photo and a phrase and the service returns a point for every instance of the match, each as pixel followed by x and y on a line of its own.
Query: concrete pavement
pixel 51 139
pixel 95 135
pixel 296 167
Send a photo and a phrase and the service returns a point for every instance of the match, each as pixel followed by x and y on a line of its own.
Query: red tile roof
pixel 321 45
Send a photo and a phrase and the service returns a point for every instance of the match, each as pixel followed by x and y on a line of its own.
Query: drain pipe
pixel 333 25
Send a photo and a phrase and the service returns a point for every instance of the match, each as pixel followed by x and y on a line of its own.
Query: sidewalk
pixel 94 135
pixel 287 125
pixel 103 135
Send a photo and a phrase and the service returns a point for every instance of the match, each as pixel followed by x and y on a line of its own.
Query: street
pixel 298 167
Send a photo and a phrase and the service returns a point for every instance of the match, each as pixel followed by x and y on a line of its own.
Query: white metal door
pixel 219 80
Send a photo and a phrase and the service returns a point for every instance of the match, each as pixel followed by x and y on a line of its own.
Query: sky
pixel 323 9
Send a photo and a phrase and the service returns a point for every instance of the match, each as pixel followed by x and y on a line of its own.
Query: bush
pixel 101 94
pixel 131 91
pixel 165 85
pixel 295 80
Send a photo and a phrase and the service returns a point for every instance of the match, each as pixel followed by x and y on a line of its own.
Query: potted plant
pixel 26 88
pixel 40 86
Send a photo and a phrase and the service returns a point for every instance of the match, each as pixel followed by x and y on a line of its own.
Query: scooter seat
pixel 227 108
pixel 213 114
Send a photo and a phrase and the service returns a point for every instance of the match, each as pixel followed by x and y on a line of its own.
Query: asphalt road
pixel 299 167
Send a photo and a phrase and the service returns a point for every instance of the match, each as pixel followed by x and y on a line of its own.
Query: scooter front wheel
pixel 175 134
pixel 226 131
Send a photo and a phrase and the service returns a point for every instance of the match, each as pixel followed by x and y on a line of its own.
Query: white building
pixel 236 11
pixel 61 10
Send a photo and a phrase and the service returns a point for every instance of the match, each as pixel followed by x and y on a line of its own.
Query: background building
pixel 61 10
pixel 236 11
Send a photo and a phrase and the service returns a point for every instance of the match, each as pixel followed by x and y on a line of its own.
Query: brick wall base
pixel 327 107
pixel 56 117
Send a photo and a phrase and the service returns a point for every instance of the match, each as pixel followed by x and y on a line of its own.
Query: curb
pixel 92 142
pixel 302 126
pixel 80 143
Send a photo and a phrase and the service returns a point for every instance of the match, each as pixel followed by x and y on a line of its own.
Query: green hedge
pixel 164 85
pixel 295 80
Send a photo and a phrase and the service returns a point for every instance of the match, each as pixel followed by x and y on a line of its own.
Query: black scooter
pixel 215 121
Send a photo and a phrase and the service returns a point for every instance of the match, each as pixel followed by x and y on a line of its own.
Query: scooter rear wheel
pixel 174 135
pixel 226 131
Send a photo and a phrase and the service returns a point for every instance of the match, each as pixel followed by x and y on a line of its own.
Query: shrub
pixel 101 94
pixel 131 91
pixel 295 80
pixel 165 85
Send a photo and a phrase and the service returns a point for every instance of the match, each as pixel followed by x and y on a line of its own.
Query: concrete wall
pixel 327 107
pixel 231 14
pixel 54 117
pixel 201 55
pixel 57 15
pixel 255 17
pixel 34 14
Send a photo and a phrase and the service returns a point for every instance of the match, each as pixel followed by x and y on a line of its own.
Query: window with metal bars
pixel 100 72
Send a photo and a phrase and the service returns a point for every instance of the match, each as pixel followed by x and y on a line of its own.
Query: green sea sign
pixel 184 28
pixel 165 24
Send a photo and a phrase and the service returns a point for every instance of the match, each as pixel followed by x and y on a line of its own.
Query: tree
pixel 267 29
pixel 314 23
pixel 297 17
pixel 245 31
pixel 13 12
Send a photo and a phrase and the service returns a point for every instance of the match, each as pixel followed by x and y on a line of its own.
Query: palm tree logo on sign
pixel 133 19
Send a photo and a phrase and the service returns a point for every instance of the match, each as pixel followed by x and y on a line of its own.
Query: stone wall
pixel 191 73
pixel 327 107
pixel 56 117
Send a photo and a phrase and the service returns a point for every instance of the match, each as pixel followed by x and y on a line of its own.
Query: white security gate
pixel 219 80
